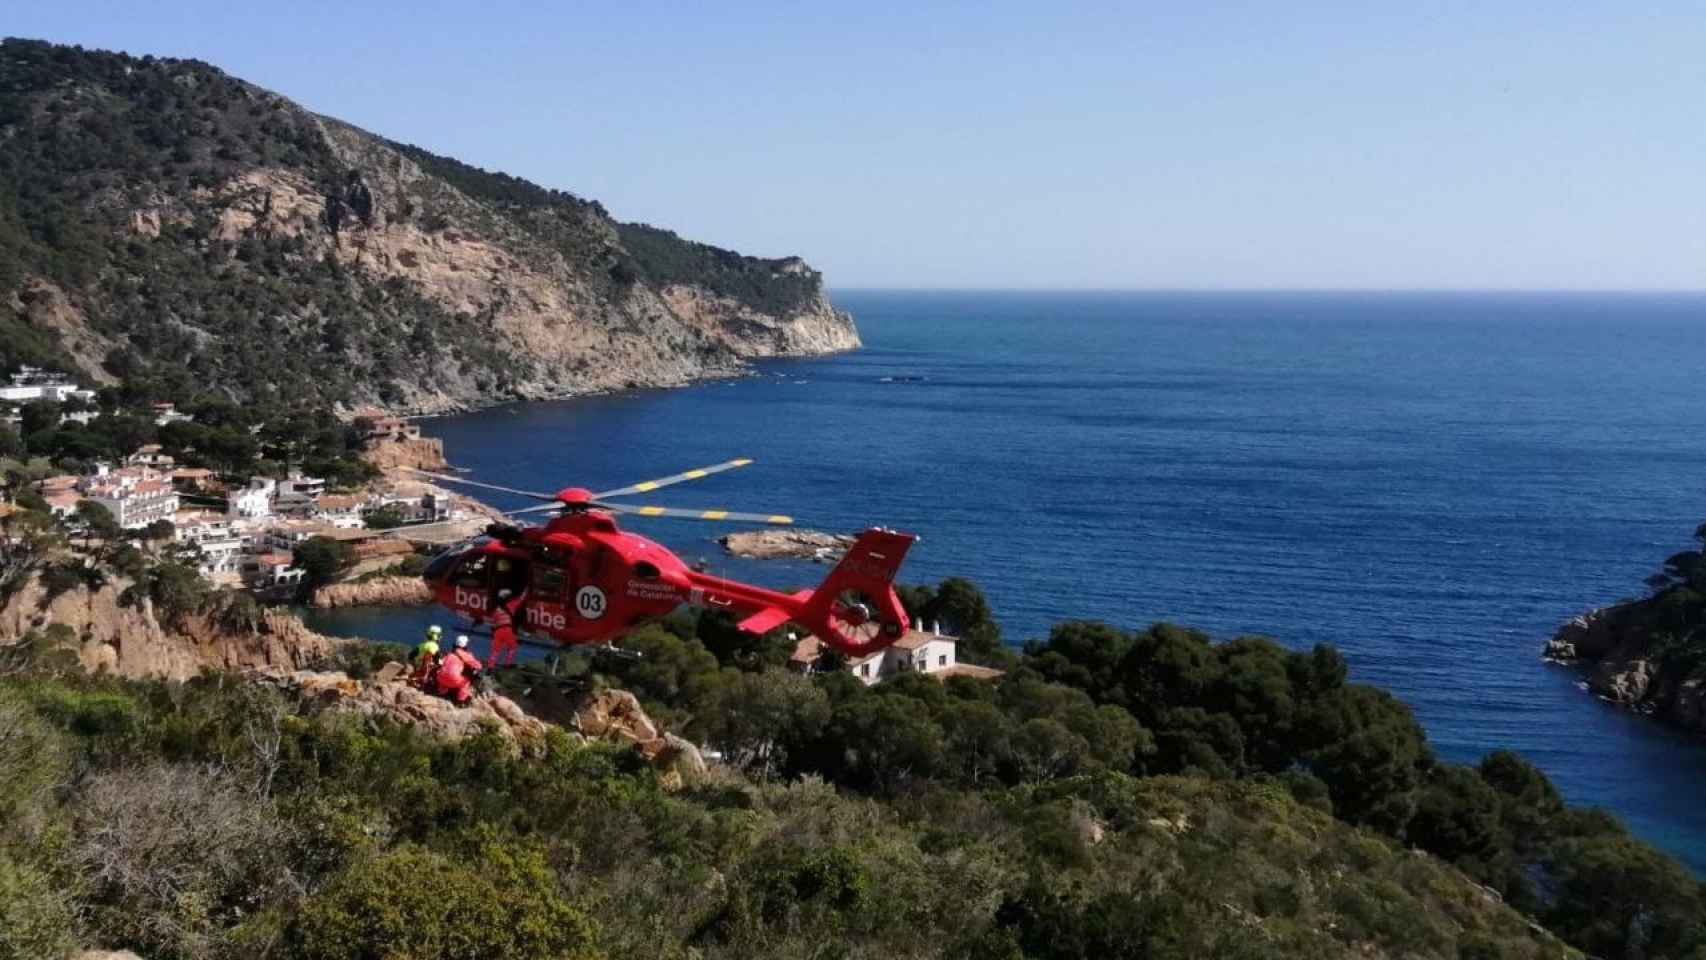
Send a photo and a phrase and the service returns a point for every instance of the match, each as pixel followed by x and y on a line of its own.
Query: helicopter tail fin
pixel 855 609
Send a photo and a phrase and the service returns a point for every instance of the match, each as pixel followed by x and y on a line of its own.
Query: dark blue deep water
pixel 1431 482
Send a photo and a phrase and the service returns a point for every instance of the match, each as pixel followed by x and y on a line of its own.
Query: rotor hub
pixel 574 496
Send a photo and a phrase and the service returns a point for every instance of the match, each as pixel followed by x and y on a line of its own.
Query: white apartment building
pixel 253 501
pixel 33 383
pixel 135 496
pixel 218 542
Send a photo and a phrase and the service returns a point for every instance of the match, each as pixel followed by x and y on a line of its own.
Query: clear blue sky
pixel 1218 145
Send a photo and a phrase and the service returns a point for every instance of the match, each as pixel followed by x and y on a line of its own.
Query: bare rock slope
pixel 129 640
pixel 215 233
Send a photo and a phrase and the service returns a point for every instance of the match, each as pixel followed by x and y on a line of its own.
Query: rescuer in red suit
pixel 452 681
pixel 504 643
pixel 470 663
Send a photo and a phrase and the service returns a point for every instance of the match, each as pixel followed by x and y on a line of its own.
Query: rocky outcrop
pixel 393 591
pixel 130 641
pixel 813 328
pixel 616 716
pixel 419 453
pixel 780 544
pixel 613 716
pixel 1626 664
pixel 388 696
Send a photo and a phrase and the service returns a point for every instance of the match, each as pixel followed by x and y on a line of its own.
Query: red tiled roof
pixel 913 639
pixel 807 650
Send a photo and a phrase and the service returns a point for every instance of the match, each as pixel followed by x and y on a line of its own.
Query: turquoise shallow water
pixel 1432 482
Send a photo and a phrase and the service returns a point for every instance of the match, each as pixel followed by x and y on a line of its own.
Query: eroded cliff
pixel 211 235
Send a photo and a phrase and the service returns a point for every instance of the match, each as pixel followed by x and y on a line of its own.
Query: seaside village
pixel 242 533
pixel 248 533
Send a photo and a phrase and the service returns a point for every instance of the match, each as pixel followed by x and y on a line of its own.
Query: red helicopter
pixel 581 580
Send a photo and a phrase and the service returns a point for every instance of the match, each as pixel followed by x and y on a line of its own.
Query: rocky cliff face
pixel 206 233
pixel 130 641
pixel 1629 665
pixel 379 591
pixel 420 453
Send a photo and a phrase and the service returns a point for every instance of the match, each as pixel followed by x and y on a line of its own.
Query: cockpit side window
pixel 472 572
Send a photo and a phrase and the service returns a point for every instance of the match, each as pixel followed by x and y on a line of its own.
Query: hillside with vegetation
pixel 1649 653
pixel 172 227
pixel 1117 793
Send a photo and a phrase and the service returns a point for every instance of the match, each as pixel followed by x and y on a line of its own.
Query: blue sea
pixel 1430 482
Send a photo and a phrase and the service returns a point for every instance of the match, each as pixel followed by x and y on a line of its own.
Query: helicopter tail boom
pixel 855 609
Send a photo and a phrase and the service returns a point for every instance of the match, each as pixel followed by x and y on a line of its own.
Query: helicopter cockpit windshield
pixel 442 564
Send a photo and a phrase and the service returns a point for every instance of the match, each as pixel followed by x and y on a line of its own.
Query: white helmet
pixel 462 641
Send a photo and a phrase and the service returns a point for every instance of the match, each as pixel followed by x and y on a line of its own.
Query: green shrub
pixel 33 759
pixel 35 918
pixel 416 903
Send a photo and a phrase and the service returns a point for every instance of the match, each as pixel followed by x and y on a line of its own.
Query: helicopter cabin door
pixel 549 592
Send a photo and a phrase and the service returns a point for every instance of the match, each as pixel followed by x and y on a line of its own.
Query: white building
pixel 270 570
pixel 339 510
pixel 135 496
pixel 33 383
pixel 253 501
pixel 917 651
pixel 165 413
pixel 219 544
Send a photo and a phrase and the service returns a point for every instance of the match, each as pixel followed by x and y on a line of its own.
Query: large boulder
pixel 616 716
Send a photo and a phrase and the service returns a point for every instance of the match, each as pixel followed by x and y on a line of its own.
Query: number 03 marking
pixel 589 601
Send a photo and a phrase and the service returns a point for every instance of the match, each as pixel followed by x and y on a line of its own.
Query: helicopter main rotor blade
pixel 650 485
pixel 489 486
pixel 538 509
pixel 684 514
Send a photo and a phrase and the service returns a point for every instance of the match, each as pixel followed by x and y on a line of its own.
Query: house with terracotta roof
pixel 338 510
pixel 382 429
pixel 191 479
pixel 149 455
pixel 270 570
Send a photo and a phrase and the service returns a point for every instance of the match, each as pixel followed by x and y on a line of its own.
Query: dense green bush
pixel 36 919
pixel 1020 817
pixel 501 902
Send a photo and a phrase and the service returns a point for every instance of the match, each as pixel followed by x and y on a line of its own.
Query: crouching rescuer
pixel 456 674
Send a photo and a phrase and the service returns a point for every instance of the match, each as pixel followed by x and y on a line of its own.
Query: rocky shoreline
pixel 1626 665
